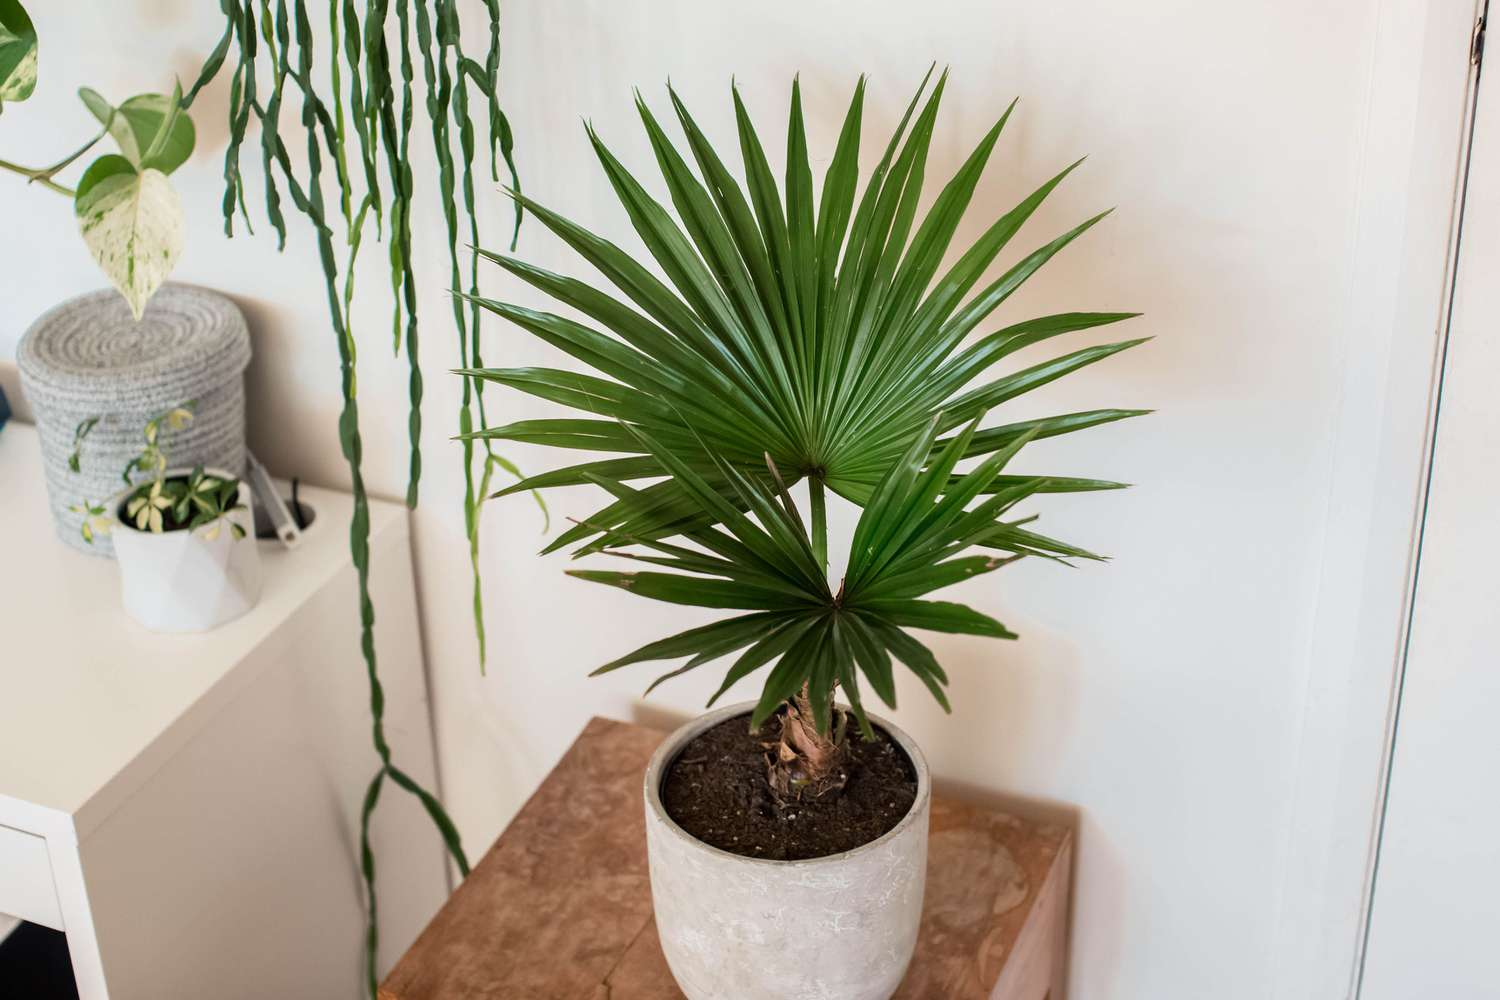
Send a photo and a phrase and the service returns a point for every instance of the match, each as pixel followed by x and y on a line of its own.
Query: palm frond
pixel 915 536
pixel 817 329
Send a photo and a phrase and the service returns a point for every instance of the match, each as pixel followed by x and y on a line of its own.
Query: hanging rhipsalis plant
pixel 352 75
pixel 806 338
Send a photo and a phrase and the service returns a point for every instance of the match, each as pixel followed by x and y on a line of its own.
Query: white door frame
pixel 1413 135
pixel 1449 476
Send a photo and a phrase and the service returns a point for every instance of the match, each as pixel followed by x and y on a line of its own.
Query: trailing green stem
pixel 42 177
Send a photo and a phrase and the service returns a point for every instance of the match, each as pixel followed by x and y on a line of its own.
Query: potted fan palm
pixel 805 342
pixel 187 559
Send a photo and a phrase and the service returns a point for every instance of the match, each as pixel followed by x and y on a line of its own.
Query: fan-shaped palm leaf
pixel 825 338
pixel 911 539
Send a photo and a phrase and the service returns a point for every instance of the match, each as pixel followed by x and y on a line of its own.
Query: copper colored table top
pixel 560 906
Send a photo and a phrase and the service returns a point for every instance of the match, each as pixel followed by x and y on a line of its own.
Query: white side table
pixel 186 808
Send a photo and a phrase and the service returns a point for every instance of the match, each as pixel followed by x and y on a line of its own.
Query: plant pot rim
pixel 679 737
pixel 117 502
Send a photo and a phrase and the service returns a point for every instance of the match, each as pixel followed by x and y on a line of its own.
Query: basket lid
pixel 189 342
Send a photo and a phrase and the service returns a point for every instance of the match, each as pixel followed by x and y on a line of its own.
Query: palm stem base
pixel 802 763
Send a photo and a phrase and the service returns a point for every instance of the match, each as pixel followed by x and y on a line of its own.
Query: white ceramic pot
pixel 836 928
pixel 185 581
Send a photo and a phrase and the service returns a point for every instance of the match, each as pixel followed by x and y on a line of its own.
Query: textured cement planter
pixel 836 928
pixel 184 581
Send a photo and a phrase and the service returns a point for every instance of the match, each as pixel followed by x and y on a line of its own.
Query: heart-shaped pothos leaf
pixel 150 129
pixel 17 53
pixel 131 221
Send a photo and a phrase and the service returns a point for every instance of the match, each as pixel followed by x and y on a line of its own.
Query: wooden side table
pixel 560 906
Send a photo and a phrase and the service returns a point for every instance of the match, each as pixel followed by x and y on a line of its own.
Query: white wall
pixel 1166 696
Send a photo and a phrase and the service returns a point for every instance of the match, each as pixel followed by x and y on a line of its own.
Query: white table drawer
pixel 26 888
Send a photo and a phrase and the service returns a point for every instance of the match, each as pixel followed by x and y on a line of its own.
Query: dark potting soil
pixel 717 791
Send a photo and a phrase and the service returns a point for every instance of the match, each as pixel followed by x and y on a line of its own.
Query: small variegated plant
pixel 96 520
pixel 153 460
pixel 198 500
pixel 162 503
pixel 127 212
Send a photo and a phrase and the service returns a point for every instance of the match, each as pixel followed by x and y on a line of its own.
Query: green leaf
pixel 799 565
pixel 990 298
pixel 997 437
pixel 846 675
pixel 766 201
pixel 80 434
pixel 703 593
pixel 787 676
pixel 837 201
pixel 695 640
pixel 151 129
pixel 889 495
pixel 18 52
pixel 937 616
pixel 916 582
pixel 917 657
pixel 620 469
pixel 1010 538
pixel 1002 343
pixel 756 343
pixel 98 106
pixel 763 652
pixel 1007 388
pixel 174 138
pixel 592 435
pixel 873 659
pixel 1059 484
pixel 132 224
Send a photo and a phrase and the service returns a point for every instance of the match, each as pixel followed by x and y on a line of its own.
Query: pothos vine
pixel 374 178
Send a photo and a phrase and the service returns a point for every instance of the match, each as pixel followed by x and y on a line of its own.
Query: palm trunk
pixel 804 763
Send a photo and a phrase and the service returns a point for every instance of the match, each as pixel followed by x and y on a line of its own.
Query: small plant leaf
pixel 80 433
pixel 150 129
pixel 174 136
pixel 97 105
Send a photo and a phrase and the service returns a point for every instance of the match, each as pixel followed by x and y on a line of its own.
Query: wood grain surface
pixel 560 906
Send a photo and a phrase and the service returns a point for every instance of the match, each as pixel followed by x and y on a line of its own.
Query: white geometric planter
pixel 183 581
pixel 836 928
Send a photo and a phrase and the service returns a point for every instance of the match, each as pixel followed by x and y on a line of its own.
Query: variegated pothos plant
pixel 127 212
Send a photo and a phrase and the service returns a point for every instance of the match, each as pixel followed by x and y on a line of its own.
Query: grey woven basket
pixel 89 358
